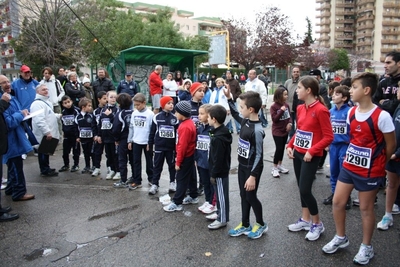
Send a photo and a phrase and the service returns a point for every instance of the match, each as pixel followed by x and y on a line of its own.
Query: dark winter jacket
pixel 75 91
pixel 202 145
pixel 120 127
pixel 387 90
pixel 219 160
pixel 3 127
pixel 163 131
pixel 69 127
pixel 104 84
pixel 105 124
pixel 130 88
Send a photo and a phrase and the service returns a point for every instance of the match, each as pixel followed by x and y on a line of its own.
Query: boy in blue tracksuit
pixel 162 136
pixel 341 139
pixel 120 131
pixel 71 133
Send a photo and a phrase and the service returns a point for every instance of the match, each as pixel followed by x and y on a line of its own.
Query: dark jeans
pixel 97 152
pixel 44 163
pixel 249 198
pixel 280 143
pixel 137 163
pixel 112 156
pixel 305 176
pixel 69 143
pixel 204 177
pixel 124 155
pixel 159 157
pixel 16 186
pixel 185 178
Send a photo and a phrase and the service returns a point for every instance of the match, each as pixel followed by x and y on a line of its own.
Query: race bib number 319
pixel 303 139
pixel 358 156
pixel 339 127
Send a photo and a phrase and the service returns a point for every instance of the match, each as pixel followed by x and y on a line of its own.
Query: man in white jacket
pixel 256 85
pixel 44 124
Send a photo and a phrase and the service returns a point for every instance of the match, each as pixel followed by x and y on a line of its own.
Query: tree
pixel 266 41
pixel 338 60
pixel 308 39
pixel 312 56
pixel 198 42
pixel 46 36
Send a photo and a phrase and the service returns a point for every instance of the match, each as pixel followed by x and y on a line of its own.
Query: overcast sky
pixel 295 9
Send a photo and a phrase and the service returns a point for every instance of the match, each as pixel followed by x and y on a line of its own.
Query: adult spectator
pixel 56 91
pixel 264 78
pixel 211 82
pixel 207 92
pixel 102 83
pixel 242 79
pixel 291 85
pixel 62 76
pixel 74 89
pixel 18 145
pixel 178 78
pixel 386 94
pixel 170 87
pixel 155 86
pixel 44 124
pixel 89 93
pixel 4 104
pixel 323 91
pixel 128 85
pixel 256 85
pixel 24 88
pixel 236 91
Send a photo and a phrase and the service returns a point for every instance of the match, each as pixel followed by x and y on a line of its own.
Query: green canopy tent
pixel 170 58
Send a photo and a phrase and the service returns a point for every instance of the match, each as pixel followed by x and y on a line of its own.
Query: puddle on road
pixel 41 252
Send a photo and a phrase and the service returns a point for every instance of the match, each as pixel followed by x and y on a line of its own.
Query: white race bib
pixel 339 126
pixel 68 120
pixel 243 149
pixel 166 131
pixel 359 156
pixel 106 124
pixel 285 115
pixel 139 121
pixel 203 142
pixel 303 139
pixel 85 132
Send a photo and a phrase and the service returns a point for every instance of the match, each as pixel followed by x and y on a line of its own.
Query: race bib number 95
pixel 243 149
pixel 358 156
pixel 303 139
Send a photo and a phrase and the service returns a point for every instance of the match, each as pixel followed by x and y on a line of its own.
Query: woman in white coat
pixel 170 87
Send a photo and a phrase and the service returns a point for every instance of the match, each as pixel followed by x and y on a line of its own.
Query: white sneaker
pixel 4 181
pixel 190 200
pixel 216 225
pixel 365 253
pixel 385 223
pixel 212 217
pixel 117 176
pixel 395 209
pixel 275 173
pixel 205 204
pixel 3 186
pixel 153 189
pixel 96 172
pixel 282 169
pixel 172 187
pixel 172 207
pixel 335 244
pixel 300 225
pixel 315 231
pixel 110 175
pixel 209 209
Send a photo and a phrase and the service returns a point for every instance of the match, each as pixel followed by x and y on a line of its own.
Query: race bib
pixel 86 133
pixel 68 120
pixel 243 149
pixel 195 119
pixel 359 156
pixel 303 139
pixel 285 115
pixel 339 126
pixel 106 124
pixel 203 142
pixel 139 121
pixel 166 131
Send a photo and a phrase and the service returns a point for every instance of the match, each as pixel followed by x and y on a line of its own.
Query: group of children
pixel 361 141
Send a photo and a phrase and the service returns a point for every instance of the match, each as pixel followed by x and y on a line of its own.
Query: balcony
pixel 8 53
pixel 8 66
pixel 387 50
pixel 342 37
pixel 363 2
pixel 324 6
pixel 365 26
pixel 390 41
pixel 324 38
pixel 325 14
pixel 5 39
pixel 366 18
pixel 345 4
pixel 344 45
pixel 325 22
pixel 323 30
pixel 344 13
pixel 390 32
pixel 349 21
pixel 363 35
pixel 393 4
pixel 390 14
pixel 390 23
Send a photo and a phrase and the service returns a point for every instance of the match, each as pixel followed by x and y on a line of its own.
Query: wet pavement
pixel 79 220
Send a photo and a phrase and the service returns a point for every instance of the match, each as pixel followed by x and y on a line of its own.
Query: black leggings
pixel 280 143
pixel 305 175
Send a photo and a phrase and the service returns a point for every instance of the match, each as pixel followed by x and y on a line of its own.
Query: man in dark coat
pixel 4 104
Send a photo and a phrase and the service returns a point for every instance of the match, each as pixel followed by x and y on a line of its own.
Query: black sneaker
pixel 75 168
pixel 86 170
pixel 200 191
pixel 328 200
pixel 130 180
pixel 356 202
pixel 92 169
pixel 64 168
pixel 49 174
pixel 348 204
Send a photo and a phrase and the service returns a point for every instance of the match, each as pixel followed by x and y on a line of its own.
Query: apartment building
pixel 367 28
pixel 185 20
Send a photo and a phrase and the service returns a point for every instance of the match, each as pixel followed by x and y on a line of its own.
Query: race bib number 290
pixel 303 139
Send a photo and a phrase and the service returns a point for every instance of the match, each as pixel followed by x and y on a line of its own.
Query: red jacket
pixel 155 83
pixel 186 141
pixel 314 130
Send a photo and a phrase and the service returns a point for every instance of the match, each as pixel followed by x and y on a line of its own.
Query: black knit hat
pixel 184 108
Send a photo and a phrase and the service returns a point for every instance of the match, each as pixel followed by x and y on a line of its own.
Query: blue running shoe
pixel 258 231
pixel 240 230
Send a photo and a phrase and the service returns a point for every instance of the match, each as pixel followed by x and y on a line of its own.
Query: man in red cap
pixel 24 88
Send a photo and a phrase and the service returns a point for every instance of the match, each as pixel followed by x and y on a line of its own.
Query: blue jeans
pixel 263 120
pixel 16 186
